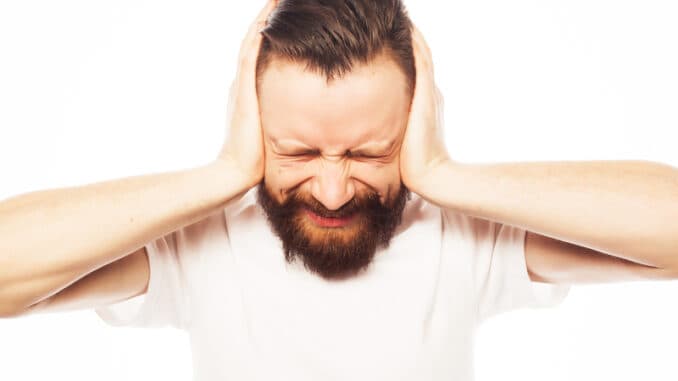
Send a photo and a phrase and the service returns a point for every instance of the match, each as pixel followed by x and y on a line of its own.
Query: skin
pixel 333 140
pixel 586 221
pixel 368 112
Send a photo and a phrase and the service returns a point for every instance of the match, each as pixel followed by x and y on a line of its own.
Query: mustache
pixel 332 256
pixel 359 203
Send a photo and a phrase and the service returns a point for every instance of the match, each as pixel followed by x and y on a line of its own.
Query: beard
pixel 333 252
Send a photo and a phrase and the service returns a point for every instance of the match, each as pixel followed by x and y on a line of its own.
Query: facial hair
pixel 333 252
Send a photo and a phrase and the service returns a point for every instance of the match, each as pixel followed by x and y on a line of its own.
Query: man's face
pixel 332 188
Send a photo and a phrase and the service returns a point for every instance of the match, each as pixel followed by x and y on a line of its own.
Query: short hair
pixel 330 36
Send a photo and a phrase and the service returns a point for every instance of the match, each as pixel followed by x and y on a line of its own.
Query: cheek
pixel 285 174
pixel 381 177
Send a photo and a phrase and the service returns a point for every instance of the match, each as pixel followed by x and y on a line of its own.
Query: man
pixel 334 237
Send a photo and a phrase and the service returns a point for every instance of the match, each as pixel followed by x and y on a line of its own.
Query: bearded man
pixel 334 237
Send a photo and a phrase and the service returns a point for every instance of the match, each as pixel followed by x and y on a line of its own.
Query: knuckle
pixel 245 61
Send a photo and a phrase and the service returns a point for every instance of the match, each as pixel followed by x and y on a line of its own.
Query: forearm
pixel 49 239
pixel 626 209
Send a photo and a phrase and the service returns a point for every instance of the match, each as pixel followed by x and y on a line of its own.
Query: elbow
pixel 10 310
pixel 11 305
pixel 670 272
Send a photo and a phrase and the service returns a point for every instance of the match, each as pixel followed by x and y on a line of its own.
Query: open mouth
pixel 330 222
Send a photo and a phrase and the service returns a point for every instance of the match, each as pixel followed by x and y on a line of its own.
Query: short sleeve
pixel 499 270
pixel 165 302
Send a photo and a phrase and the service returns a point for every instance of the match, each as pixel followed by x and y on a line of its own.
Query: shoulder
pixel 242 204
pixel 418 210
pixel 467 227
pixel 244 210
pixel 215 224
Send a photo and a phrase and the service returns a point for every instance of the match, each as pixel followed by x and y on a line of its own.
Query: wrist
pixel 427 183
pixel 235 178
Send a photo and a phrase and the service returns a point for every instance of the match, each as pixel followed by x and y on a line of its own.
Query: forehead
pixel 370 103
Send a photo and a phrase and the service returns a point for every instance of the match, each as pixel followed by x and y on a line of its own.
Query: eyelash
pixel 348 154
pixel 305 153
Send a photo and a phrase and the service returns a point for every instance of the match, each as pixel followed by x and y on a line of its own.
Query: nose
pixel 332 185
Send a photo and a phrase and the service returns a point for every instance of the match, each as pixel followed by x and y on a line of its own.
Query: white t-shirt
pixel 411 316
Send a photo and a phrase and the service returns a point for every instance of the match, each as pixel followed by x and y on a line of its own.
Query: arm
pixel 125 278
pixel 625 209
pixel 84 232
pixel 52 238
pixel 585 221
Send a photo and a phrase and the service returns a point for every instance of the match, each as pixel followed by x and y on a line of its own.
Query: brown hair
pixel 330 36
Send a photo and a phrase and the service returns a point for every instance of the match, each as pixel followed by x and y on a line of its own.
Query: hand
pixel 243 149
pixel 423 148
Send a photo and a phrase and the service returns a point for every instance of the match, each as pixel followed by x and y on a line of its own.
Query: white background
pixel 91 91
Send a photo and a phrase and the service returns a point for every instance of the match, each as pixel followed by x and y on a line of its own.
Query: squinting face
pixel 332 159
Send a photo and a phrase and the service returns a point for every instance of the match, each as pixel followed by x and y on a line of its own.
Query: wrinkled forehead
pixel 369 104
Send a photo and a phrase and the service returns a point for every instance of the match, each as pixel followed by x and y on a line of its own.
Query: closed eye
pixel 362 155
pixel 303 153
pixel 348 154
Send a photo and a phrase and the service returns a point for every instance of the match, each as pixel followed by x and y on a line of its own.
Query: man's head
pixel 335 80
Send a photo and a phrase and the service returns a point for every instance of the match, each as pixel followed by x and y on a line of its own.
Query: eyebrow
pixel 376 148
pixel 289 146
pixel 371 148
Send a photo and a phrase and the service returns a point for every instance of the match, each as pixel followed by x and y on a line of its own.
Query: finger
pixel 249 49
pixel 423 69
pixel 262 18
pixel 253 33
pixel 230 105
pixel 425 95
pixel 422 58
pixel 439 95
pixel 419 39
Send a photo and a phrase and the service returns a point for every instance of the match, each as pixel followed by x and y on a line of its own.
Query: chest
pixel 410 314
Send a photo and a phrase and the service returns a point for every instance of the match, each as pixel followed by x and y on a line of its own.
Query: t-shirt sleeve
pixel 499 270
pixel 165 303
